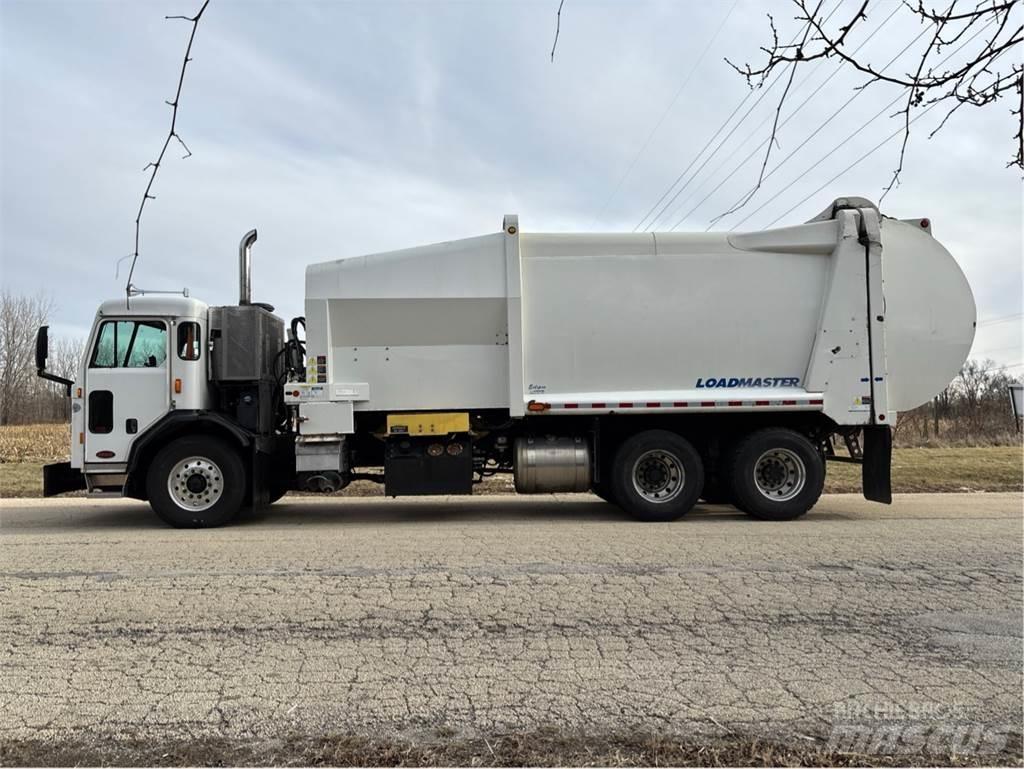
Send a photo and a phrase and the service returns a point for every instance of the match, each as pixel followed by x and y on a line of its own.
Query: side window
pixel 129 343
pixel 149 347
pixel 112 343
pixel 188 340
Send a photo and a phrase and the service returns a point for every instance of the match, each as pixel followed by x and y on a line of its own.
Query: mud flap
pixel 876 479
pixel 61 477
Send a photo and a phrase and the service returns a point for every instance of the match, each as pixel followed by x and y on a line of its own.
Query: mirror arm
pixel 54 378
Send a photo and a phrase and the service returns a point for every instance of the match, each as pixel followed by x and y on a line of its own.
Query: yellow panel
pixel 428 424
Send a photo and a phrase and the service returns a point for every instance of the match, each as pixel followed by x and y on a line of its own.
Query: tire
pixel 657 476
pixel 196 482
pixel 777 474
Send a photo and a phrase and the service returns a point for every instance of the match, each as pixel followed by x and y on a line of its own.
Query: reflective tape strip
pixel 672 405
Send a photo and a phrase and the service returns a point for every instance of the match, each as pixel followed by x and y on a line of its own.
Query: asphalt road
pixel 491 613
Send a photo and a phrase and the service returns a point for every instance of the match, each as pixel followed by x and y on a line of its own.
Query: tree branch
pixel 171 134
pixel 558 28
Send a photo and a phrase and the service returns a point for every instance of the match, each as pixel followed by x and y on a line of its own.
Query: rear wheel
pixel 196 482
pixel 657 476
pixel 777 474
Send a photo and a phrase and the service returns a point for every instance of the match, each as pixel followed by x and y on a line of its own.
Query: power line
pixel 793 114
pixel 1001 319
pixel 1001 368
pixel 851 136
pixel 991 350
pixel 695 174
pixel 745 198
pixel 668 109
pixel 856 162
pixel 714 136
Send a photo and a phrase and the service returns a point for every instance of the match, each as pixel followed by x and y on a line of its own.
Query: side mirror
pixel 42 353
pixel 42 347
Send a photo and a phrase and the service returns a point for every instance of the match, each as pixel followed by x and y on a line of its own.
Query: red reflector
pixel 680 404
pixel 707 403
pixel 597 406
pixel 788 403
pixel 572 405
pixel 735 403
pixel 818 403
pixel 760 403
pixel 925 223
pixel 105 454
pixel 625 405
pixel 653 405
pixel 535 406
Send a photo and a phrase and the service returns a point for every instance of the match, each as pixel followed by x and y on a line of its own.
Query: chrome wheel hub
pixel 780 474
pixel 658 476
pixel 195 483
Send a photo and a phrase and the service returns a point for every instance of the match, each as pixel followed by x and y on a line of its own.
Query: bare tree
pixel 20 316
pixel 990 29
pixel 24 398
pixel 972 409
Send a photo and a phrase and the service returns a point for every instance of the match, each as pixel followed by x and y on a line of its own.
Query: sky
pixel 344 128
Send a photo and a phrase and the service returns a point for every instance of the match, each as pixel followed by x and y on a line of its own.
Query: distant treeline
pixel 973 410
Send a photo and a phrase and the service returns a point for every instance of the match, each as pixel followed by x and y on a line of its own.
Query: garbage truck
pixel 651 369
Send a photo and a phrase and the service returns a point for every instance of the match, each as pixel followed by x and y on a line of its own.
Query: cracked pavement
pixel 493 613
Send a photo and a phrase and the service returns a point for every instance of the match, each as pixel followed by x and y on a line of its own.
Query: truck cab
pixel 145 359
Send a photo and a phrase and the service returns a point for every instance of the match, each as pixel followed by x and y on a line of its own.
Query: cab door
pixel 127 385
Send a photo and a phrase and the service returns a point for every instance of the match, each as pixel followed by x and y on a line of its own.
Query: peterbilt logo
pixel 768 381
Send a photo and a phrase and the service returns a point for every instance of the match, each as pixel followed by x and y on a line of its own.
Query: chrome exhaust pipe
pixel 245 267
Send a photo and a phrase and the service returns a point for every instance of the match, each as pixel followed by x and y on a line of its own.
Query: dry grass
pixel 25 449
pixel 548 747
pixel 985 468
pixel 33 443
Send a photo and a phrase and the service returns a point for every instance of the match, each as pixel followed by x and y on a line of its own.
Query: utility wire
pixel 851 136
pixel 991 350
pixel 1002 368
pixel 1001 319
pixel 749 194
pixel 856 162
pixel 171 134
pixel 668 109
pixel 758 148
pixel 714 136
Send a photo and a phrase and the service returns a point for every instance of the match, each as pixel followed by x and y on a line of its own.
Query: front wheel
pixel 777 474
pixel 196 482
pixel 657 476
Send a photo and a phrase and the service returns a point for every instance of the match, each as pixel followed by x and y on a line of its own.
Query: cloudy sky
pixel 341 128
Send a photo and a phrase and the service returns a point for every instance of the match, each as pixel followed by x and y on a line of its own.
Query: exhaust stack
pixel 245 268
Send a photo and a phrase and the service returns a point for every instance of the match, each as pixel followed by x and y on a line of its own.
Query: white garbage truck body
pixel 652 368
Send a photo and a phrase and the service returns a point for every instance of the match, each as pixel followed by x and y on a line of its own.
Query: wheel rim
pixel 658 476
pixel 196 484
pixel 780 475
